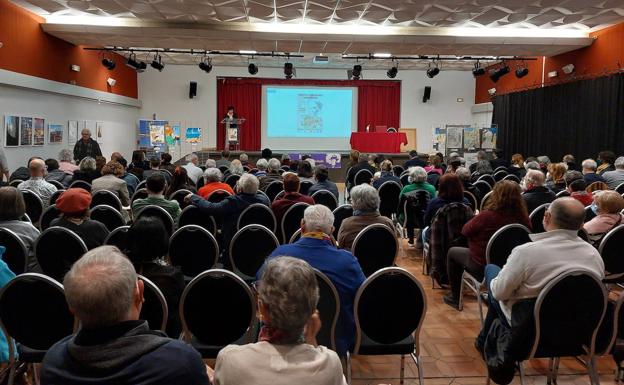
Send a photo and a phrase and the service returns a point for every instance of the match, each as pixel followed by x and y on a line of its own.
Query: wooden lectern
pixel 232 127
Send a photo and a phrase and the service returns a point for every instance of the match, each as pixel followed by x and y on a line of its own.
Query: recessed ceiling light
pixel 382 55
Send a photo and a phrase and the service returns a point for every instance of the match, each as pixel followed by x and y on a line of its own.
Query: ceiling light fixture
pixel 393 71
pixel 568 69
pixel 382 55
pixel 252 68
pixel 357 72
pixel 247 52
pixel 522 71
pixel 289 70
pixel 432 72
pixel 206 64
pixel 157 63
pixel 108 63
pixel 497 73
pixel 478 70
pixel 138 66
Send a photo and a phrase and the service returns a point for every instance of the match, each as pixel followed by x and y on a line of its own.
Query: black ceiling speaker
pixel 193 90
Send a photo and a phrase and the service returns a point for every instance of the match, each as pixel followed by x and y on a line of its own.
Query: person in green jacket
pixel 155 189
pixel 418 179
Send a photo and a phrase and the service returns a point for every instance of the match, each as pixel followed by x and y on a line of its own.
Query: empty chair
pixel 329 309
pixel 81 184
pixel 291 221
pixel 249 248
pixel 140 193
pixel 232 180
pixel 340 214
pixel 325 198
pixel 537 216
pixel 489 179
pixel 397 170
pixel 118 238
pixel 273 189
pixel 55 196
pixel 15 182
pixel 304 186
pixel 154 309
pixel 217 196
pixel 56 250
pixel 156 211
pixel 257 214
pixel 389 196
pixel 611 252
pixel 362 176
pixel 512 177
pixel 194 249
pixel 405 179
pixel 412 208
pixel 34 205
pixel 483 186
pixel 596 186
pixel 47 216
pixel 108 198
pixel 191 215
pixel 375 247
pixel 179 195
pixel 207 332
pixel 15 253
pixel 108 216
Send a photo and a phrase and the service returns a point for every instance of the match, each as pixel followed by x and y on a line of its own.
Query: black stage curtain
pixel 580 118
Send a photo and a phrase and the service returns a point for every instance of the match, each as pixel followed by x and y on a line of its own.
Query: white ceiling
pixel 401 27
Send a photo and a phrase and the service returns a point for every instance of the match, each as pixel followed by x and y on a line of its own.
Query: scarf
pixel 319 235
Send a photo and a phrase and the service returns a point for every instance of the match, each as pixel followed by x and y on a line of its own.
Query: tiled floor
pixel 447 351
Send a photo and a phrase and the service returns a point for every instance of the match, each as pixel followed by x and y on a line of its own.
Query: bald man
pixel 533 265
pixel 36 183
pixel 86 146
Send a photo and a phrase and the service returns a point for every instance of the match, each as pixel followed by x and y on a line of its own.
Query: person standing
pixel 86 147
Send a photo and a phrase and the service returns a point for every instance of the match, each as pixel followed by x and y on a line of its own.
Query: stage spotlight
pixel 392 72
pixel 498 73
pixel 157 63
pixel 108 63
pixel 478 70
pixel 357 72
pixel 521 72
pixel 252 68
pixel 138 66
pixel 288 70
pixel 206 65
pixel 432 72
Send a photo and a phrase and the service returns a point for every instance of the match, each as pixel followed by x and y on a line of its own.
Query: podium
pixel 232 127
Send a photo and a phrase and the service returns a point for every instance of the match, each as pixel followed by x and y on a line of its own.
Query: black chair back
pixel 405 179
pixel 375 247
pixel 472 200
pixel 414 204
pixel 257 214
pixel 325 198
pixel 179 195
pixel 56 184
pixel 107 198
pixel 232 180
pixel 500 168
pixel 154 309
pixel 503 241
pixel 200 183
pixel 191 215
pixel 389 196
pixel 56 250
pixel 108 216
pixel 329 309
pixel 55 195
pixel 34 312
pixel 304 187
pixel 537 216
pixel 340 214
pixel 291 221
pixel 81 184
pixel 47 216
pixel 362 176
pixel 512 177
pixel 397 170
pixel 273 189
pixel 279 196
pixel 619 188
pixel 500 175
pixel 16 253
pixel 140 193
pixel 483 186
pixel 611 252
pixel 489 179
pixel 223 169
pixel 142 184
pixel 589 214
pixel 562 193
pixel 158 212
pixel 15 182
pixel 217 196
pixel 249 248
pixel 34 205
pixel 119 238
pixel 194 249
pixel 383 316
pixel 433 178
pixel 484 200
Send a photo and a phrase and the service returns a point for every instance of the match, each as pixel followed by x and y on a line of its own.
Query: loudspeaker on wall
pixel 193 90
pixel 427 94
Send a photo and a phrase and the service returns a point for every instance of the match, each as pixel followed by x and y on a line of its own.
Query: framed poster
pixel 72 132
pixel 454 136
pixel 232 135
pixel 471 138
pixel 439 139
pixel 193 135
pixel 99 132
pixel 172 133
pixel 55 133
pixel 470 158
pixel 26 131
pixel 488 137
pixel 157 132
pixel 39 132
pixel 11 131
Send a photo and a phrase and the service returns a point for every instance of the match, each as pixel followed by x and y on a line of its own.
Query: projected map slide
pixel 309 112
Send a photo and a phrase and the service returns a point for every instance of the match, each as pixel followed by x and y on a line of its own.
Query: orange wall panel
pixel 29 50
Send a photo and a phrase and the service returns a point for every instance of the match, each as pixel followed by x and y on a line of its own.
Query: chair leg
pixel 419 367
pixel 348 362
pixel 556 369
pixel 550 372
pixel 593 372
pixel 521 370
pixel 460 300
pixel 402 376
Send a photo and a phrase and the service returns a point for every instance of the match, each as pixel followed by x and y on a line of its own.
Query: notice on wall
pixel 26 131
pixel 39 132
pixel 193 135
pixel 11 131
pixel 55 133
pixel 488 137
pixel 72 132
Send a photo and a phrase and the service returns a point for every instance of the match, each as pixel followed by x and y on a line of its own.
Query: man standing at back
pixel 113 346
pixel 86 146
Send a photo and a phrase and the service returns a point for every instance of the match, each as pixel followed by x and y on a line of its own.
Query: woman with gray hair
pixel 287 352
pixel 418 181
pixel 365 202
pixel 212 183
pixel 88 170
pixel 484 167
pixel 65 162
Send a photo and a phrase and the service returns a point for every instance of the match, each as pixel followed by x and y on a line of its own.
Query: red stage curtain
pixel 379 103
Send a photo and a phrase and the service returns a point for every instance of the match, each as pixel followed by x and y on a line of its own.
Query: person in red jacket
pixel 505 206
pixel 291 196
pixel 212 183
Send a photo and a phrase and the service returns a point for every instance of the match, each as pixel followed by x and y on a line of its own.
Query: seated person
pixel 155 168
pixel 576 187
pixel 37 184
pixel 272 174
pixel 113 346
pixel 589 172
pixel 235 168
pixel 244 159
pixel 224 160
pixel 165 162
pixel 609 205
pixel 111 181
pixel 418 181
pixel 193 171
pixel 212 182
pixel 556 172
pixel 616 177
pixel 291 196
pixel 365 202
pixel 607 160
pixel 533 265
pixel 66 162
pixel 148 244
pixel 464 175
pixel 517 166
pixel 387 174
pixel 436 165
pixel 74 206
pixel 262 165
pixel 505 206
pixel 155 189
pixel 56 174
pixel 305 172
pixel 12 210
pixel 88 170
pixel 362 164
pixel 180 181
pixel 414 160
pixel 321 176
pixel 536 194
pixel 498 159
pixel 450 190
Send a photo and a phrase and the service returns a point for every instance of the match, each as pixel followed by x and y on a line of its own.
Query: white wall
pixel 482 114
pixel 166 95
pixel 119 122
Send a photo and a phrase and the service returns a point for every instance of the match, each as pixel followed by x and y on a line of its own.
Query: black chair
pixel 619 188
pixel 217 196
pixel 194 249
pixel 405 179
pixel 537 216
pixel 285 168
pixel 304 187
pixel 34 205
pixel 191 215
pixel 232 180
pixel 413 206
pixel 179 196
pixel 489 179
pixel 375 247
pixel 472 200
pixel 500 168
pixel 325 198
pixel 108 198
pixel 295 237
pixel 389 196
pixel 279 196
pixel 291 221
pixel 589 214
pixel 387 324
pixel 583 235
pixel 108 216
pixel 262 193
pixel 610 250
pixel 397 170
pixel 562 193
pixel 154 309
pixel 329 310
pixel 47 216
pixel 500 175
pixel 55 196
pixel 15 182
pixel 484 200
pixel 483 186
pixel 512 177
pixel 257 214
pixel 362 176
pixel 81 184
pixel 273 189
pixel 159 212
pixel 207 332
pixel 433 178
pixel 249 248
pixel 140 193
pixel 57 184
pixel 16 253
pixel 223 169
pixel 340 214
pixel 56 250
pixel 119 238
pixel 35 315
pixel 142 184
pixel 200 183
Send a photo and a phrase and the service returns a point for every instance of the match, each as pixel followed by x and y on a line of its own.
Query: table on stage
pixel 378 142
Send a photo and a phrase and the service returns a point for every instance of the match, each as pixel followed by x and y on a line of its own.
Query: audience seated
pixel 244 159
pixel 12 210
pixel 180 181
pixel 589 172
pixel 291 196
pixel 436 165
pixel 505 206
pixel 212 182
pixel 271 175
pixel 148 244
pixel 155 168
pixel 5 276
pixel 321 177
pixel 414 160
pixel 517 166
pixel 224 160
pixel 570 161
pixel 210 163
pixel 111 181
pixel 262 165
pixel 533 265
pixel 418 178
pixel 608 207
pixel 483 167
pixel 387 174
pixel 536 194
pixel 65 162
pixel 304 172
pixel 165 162
pixel 450 190
pixel 100 161
pixel 556 182
pixel 74 207
pixel 113 346
pixel 354 156
pixel 576 187
pixel 235 168
pixel 266 154
pixel 481 155
pixel 544 162
pixel 498 160
pixel 36 183
pixel 54 173
pixel 606 160
pixel 362 164
pixel 194 172
pixel 285 160
pixel 464 175
pixel 316 247
pixel 155 190
pixel 138 161
pixel 616 177
pixel 87 172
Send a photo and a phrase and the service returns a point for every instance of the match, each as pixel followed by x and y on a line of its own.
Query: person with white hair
pixel 212 183
pixel 616 177
pixel 262 165
pixel 86 146
pixel 244 159
pixel 589 167
pixel 113 346
pixel 37 183
pixel 210 163
pixel 418 181
pixel 536 194
pixel 194 172
pixel 236 168
pixel 317 248
pixel 65 162
pixel 272 173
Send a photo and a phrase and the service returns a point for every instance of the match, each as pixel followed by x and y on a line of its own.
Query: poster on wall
pixel 454 136
pixel 72 132
pixel 26 131
pixel 39 132
pixel 193 135
pixel 488 137
pixel 439 139
pixel 471 138
pixel 11 131
pixel 157 132
pixel 470 158
pixel 99 132
pixel 172 133
pixel 55 133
